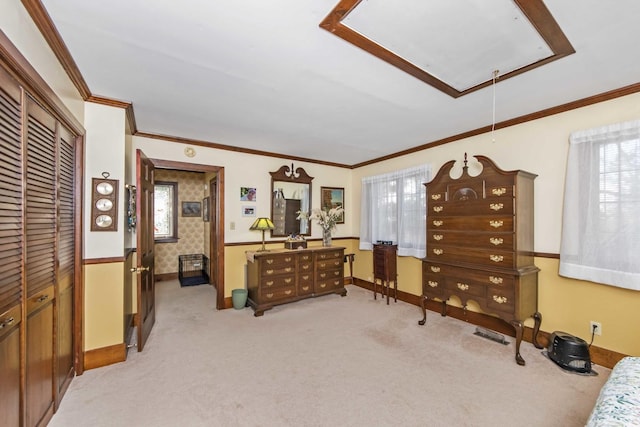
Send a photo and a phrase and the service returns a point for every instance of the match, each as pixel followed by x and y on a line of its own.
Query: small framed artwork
pixel 247 194
pixel 205 209
pixel 332 197
pixel 191 209
pixel 248 211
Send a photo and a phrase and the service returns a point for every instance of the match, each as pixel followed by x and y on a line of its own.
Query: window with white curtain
pixel 393 208
pixel 601 219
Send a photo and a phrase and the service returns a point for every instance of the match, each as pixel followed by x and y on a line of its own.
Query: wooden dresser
pixel 480 244
pixel 385 270
pixel 282 276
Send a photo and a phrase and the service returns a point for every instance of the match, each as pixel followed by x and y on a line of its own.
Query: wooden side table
pixel 385 270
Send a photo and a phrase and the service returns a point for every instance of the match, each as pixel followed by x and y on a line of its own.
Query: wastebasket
pixel 239 298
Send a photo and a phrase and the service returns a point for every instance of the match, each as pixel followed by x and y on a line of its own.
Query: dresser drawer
pixel 278 294
pixel 465 287
pixel 329 255
pixel 502 206
pixel 278 264
pixel 480 223
pixel 305 267
pixel 305 284
pixel 502 241
pixel 329 264
pixel 329 284
pixel 322 275
pixel 433 279
pixel 493 258
pixel 277 281
pixel 497 189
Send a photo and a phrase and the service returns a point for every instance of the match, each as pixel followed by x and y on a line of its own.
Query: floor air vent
pixel 490 335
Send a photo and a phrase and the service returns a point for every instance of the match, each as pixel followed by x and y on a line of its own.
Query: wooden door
pixel 40 263
pixel 11 252
pixel 146 315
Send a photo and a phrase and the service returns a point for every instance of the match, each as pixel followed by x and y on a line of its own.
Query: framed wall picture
pixel 247 194
pixel 191 209
pixel 205 209
pixel 332 197
pixel 248 211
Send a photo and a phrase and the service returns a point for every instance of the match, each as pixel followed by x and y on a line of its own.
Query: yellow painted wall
pixel 104 305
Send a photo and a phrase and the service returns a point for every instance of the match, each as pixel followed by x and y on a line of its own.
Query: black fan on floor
pixel 569 352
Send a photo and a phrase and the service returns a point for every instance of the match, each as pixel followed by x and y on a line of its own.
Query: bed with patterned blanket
pixel 619 401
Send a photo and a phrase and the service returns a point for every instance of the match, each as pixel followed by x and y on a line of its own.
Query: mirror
pixel 290 193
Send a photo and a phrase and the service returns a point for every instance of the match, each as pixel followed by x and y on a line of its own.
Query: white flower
pixel 326 219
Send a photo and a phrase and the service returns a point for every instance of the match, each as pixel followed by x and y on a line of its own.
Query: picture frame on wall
pixel 248 211
pixel 205 209
pixel 191 209
pixel 332 197
pixel 248 194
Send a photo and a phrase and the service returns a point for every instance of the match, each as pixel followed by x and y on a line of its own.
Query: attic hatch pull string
pixel 493 121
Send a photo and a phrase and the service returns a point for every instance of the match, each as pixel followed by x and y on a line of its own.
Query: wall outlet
pixel 597 326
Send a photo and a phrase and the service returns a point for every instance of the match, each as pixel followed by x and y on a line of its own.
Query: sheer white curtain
pixel 601 219
pixel 393 207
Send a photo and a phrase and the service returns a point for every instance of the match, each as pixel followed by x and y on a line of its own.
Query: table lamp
pixel 263 224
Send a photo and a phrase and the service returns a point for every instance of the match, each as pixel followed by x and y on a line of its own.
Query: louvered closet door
pixel 40 262
pixel 10 249
pixel 66 259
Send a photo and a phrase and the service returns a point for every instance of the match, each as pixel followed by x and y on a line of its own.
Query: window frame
pixel 173 238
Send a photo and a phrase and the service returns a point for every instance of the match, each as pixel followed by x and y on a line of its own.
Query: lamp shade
pixel 262 224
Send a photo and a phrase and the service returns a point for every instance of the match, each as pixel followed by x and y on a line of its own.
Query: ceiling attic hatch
pixel 452 45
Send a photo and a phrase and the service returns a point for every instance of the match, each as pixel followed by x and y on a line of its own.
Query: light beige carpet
pixel 327 361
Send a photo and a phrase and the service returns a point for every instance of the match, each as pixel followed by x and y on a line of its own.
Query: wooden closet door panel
pixel 40 199
pixel 11 226
pixel 39 363
pixel 65 260
pixel 10 374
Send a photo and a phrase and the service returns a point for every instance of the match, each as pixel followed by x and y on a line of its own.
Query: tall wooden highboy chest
pixel 480 244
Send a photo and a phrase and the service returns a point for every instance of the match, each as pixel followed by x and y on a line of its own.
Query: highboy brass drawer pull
pixel 496 224
pixel 495 280
pixel 269 261
pixel 438 223
pixel 432 284
pixel 463 286
pixel 496 240
pixel 435 269
pixel 499 299
pixel 438 237
pixel 496 258
pixel 496 206
pixel 498 191
pixel 438 251
pixel 435 197
pixel 438 208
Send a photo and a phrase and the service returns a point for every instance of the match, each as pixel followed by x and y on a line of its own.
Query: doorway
pixel 216 224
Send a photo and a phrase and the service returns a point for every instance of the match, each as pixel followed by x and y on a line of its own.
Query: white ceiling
pixel 263 75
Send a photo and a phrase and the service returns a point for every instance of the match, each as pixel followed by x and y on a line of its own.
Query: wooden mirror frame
pixel 288 174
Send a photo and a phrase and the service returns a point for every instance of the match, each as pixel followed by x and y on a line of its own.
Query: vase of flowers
pixel 325 219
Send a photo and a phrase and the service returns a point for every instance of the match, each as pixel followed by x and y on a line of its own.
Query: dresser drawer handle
pixel 438 223
pixel 322 265
pixel 336 283
pixel 495 280
pixel 496 224
pixel 305 288
pixel 323 256
pixel 306 267
pixel 323 285
pixel 288 280
pixel 337 263
pixel 269 283
pixel 496 241
pixel 269 295
pixel 438 237
pixel 435 269
pixel 499 299
pixel 305 257
pixel 438 208
pixel 496 258
pixel 336 273
pixel 462 286
pixel 288 269
pixel 496 206
pixel 305 277
pixel 432 284
pixel 287 292
pixel 269 271
pixel 43 298
pixel 269 261
pixel 323 275
pixel 6 323
pixel 499 191
pixel 436 196
pixel 438 251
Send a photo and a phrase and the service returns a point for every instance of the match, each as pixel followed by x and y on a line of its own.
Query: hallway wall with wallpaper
pixel 191 230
